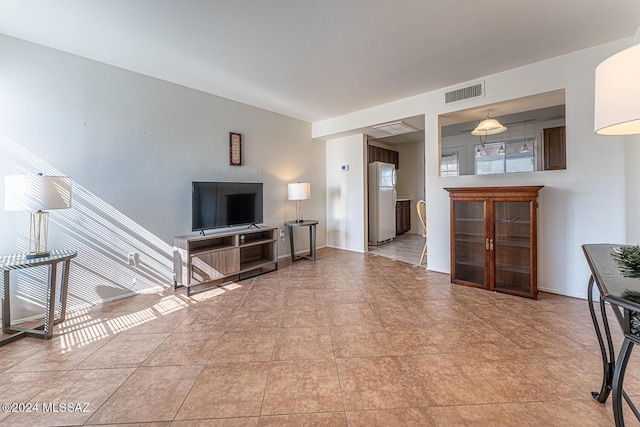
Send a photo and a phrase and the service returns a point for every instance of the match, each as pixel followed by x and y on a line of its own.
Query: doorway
pixel 406 151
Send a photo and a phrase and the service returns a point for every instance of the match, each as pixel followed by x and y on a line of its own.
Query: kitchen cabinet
pixel 494 238
pixel 403 216
pixel 379 154
pixel 555 148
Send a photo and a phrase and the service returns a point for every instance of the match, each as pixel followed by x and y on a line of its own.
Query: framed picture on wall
pixel 235 149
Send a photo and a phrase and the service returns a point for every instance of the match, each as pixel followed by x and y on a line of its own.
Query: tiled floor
pixel 350 339
pixel 406 248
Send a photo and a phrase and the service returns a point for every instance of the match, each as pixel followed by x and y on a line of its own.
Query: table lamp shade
pixel 36 192
pixel 617 94
pixel 299 191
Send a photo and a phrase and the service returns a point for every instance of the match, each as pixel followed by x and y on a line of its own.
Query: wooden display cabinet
pixel 494 238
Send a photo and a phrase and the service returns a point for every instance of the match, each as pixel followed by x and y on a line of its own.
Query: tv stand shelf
pixel 223 256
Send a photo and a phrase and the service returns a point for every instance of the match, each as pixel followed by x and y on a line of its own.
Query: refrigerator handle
pixel 393 176
pixel 395 197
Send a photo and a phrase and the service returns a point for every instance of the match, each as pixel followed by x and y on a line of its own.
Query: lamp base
pixel 34 255
pixel 299 211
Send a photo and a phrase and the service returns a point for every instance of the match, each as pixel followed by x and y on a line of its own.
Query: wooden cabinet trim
pixel 471 239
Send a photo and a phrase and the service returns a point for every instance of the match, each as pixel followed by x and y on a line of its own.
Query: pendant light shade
pixel 488 126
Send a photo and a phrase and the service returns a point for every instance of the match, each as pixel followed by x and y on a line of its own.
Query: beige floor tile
pixel 258 301
pixel 343 296
pixel 302 317
pixel 304 299
pixel 351 314
pixel 302 386
pixel 73 398
pixel 153 424
pixel 124 351
pixel 495 415
pixel 479 358
pixel 160 323
pixel 150 394
pixel 215 320
pixel 578 413
pixel 226 390
pixel 306 420
pixel 361 341
pixel 303 343
pixel 414 339
pixel 376 383
pixel 19 350
pixel 184 348
pixel 449 379
pixel 219 422
pixel 409 417
pixel 247 319
pixel 22 387
pixel 244 346
pixel 524 382
pixel 59 355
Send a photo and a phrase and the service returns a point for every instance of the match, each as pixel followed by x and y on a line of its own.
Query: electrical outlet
pixel 282 233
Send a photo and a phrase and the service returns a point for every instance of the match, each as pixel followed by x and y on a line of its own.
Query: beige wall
pixel 132 145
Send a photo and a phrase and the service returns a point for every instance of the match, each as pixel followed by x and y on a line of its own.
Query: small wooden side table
pixel 51 318
pixel 312 239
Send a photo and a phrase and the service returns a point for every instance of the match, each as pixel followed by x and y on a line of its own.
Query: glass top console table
pixel 9 263
pixel 622 292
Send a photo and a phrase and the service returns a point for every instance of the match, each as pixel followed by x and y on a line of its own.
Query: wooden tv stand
pixel 223 256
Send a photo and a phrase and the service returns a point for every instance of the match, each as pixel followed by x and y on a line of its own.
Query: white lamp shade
pixel 488 127
pixel 36 192
pixel 617 99
pixel 299 191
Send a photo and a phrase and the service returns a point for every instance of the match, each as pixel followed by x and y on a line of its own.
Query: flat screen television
pixel 225 204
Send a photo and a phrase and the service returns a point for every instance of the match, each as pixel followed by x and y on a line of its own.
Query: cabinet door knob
pixel 486 244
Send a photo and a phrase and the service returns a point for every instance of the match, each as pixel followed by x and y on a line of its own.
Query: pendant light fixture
pixel 525 147
pixel 488 127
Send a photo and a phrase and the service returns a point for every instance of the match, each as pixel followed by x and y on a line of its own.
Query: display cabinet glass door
pixel 512 239
pixel 469 242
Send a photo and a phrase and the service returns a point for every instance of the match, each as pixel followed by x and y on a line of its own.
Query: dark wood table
pixel 9 263
pixel 312 238
pixel 623 295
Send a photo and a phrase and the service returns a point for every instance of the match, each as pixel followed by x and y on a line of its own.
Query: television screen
pixel 225 204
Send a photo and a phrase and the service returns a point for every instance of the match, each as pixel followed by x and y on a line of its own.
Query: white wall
pixel 584 204
pixel 133 144
pixel 346 195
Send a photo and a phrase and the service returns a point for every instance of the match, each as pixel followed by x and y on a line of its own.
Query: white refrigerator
pixel 382 202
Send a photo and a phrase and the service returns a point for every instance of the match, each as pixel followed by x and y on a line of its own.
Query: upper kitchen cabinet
pixel 379 154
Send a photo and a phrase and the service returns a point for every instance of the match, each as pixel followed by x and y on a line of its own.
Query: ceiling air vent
pixel 475 90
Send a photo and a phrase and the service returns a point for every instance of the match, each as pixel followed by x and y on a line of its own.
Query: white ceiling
pixel 315 60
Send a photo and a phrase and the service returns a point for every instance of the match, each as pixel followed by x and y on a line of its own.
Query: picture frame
pixel 235 149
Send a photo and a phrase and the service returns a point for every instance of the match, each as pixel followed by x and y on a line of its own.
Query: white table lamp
pixel 37 193
pixel 299 191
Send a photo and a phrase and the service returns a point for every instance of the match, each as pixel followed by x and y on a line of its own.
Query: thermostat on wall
pixel 345 167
